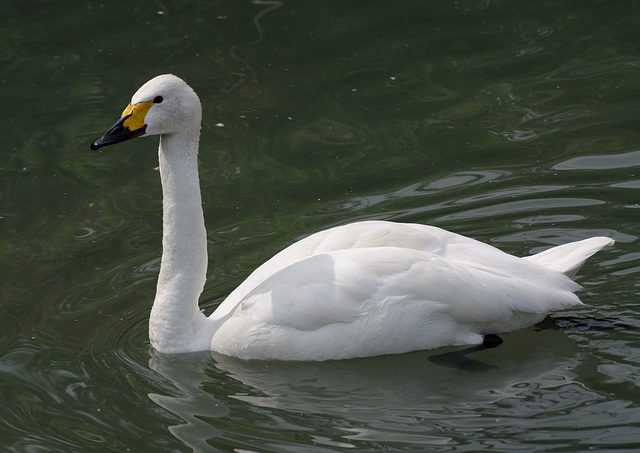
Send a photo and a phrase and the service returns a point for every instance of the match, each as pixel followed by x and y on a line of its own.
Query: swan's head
pixel 163 105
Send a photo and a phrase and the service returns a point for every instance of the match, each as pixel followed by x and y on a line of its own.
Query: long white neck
pixel 176 323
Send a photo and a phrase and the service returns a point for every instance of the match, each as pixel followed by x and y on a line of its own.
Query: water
pixel 513 123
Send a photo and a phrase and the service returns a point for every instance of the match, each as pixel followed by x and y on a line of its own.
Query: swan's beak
pixel 131 124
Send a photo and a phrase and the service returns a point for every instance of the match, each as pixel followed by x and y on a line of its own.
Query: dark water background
pixel 512 122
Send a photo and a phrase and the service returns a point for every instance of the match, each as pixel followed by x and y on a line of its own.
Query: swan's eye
pixel 157 100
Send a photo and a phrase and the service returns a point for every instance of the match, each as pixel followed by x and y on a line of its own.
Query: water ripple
pixel 603 162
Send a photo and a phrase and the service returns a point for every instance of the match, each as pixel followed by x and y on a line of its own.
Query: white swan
pixel 363 289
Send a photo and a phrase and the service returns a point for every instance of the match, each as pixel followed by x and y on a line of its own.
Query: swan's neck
pixel 176 322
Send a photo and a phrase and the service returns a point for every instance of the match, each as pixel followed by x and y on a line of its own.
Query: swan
pixel 363 289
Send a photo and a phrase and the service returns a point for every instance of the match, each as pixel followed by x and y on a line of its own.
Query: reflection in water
pixel 405 398
pixel 193 404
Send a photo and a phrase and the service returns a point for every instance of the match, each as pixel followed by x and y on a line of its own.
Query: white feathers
pixel 568 258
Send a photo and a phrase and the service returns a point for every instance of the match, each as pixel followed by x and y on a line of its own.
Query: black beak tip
pixel 116 134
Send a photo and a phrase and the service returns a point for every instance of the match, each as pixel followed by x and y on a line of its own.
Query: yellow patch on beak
pixel 135 114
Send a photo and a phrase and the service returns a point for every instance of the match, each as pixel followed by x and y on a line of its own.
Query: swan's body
pixel 362 289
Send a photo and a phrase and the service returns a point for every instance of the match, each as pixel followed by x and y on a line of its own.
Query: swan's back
pixel 377 234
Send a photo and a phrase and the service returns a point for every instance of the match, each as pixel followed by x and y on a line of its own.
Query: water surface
pixel 512 123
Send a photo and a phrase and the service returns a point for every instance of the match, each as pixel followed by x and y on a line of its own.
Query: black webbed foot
pixel 491 341
pixel 458 359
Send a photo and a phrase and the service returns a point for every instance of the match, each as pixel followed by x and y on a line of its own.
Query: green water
pixel 512 122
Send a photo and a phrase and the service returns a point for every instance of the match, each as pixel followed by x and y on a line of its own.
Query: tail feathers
pixel 568 258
